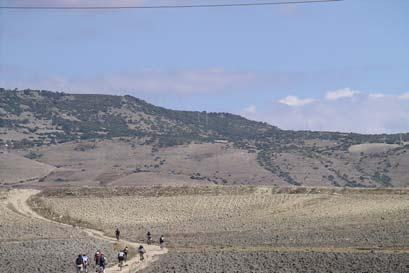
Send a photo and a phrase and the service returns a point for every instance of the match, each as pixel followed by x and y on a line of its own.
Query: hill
pixel 43 117
pixel 186 146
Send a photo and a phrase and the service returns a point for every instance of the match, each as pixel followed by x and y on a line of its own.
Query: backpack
pixel 78 261
pixel 102 261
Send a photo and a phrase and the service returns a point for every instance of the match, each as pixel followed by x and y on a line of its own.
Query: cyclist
pixel 149 237
pixel 117 233
pixel 85 262
pixel 78 263
pixel 126 250
pixel 97 256
pixel 121 259
pixel 102 263
pixel 141 251
pixel 161 241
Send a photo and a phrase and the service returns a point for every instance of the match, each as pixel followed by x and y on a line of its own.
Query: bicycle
pixel 79 268
pixel 121 264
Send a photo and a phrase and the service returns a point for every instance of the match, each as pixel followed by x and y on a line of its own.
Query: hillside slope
pixel 40 117
pixel 187 146
pixel 18 169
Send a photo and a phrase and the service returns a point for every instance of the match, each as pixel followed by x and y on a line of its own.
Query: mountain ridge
pixel 86 116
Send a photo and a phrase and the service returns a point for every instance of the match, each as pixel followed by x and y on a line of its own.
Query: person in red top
pixel 97 256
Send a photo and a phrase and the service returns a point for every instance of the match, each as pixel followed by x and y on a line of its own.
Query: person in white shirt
pixel 85 262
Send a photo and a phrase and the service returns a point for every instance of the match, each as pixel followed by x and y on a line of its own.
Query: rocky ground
pixel 267 262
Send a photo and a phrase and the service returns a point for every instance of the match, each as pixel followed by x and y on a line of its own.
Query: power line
pixel 169 6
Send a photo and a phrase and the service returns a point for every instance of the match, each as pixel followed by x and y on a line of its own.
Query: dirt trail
pixel 18 201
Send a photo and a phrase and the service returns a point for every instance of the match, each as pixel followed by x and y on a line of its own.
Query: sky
pixel 341 66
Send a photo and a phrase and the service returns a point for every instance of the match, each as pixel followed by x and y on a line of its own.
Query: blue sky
pixel 340 66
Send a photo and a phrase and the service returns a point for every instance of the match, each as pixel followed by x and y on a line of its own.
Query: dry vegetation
pixel 244 216
pixel 15 169
pixel 124 162
pixel 252 229
pixel 220 229
pixel 131 162
pixel 372 148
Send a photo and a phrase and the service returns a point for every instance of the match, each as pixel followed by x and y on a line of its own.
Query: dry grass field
pixel 131 162
pixel 15 169
pixel 128 162
pixel 372 148
pixel 250 229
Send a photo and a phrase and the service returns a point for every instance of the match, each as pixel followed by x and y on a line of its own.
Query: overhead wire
pixel 247 4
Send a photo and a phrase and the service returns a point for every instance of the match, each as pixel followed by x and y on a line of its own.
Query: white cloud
pixel 341 93
pixel 404 96
pixel 377 95
pixel 251 109
pixel 363 114
pixel 295 101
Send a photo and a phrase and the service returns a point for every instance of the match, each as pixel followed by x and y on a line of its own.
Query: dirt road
pixel 18 201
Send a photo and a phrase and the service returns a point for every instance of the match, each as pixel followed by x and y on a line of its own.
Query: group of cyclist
pixel 82 261
pixel 149 239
